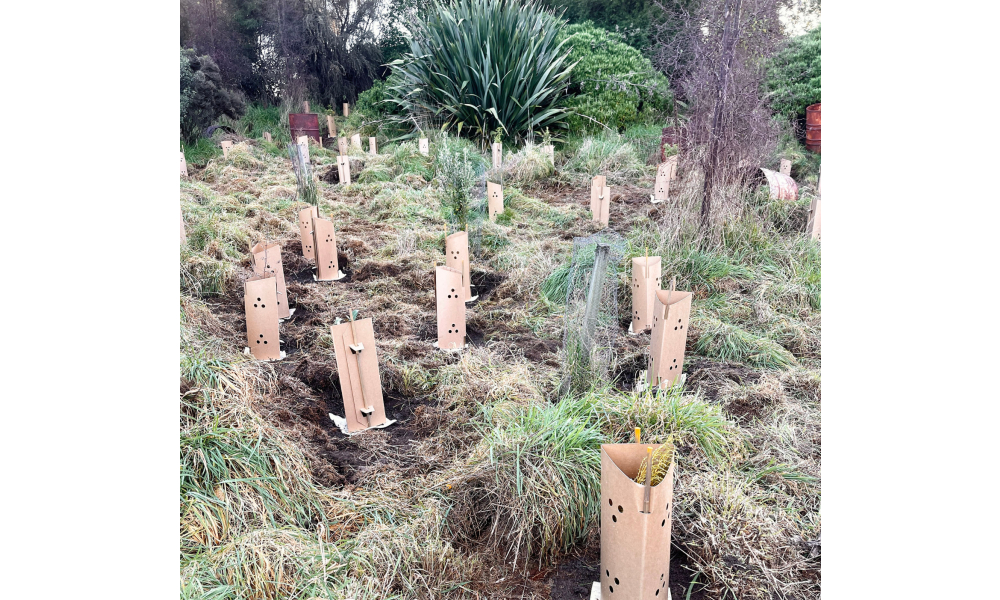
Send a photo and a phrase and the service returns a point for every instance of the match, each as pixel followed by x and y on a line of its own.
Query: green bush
pixel 371 102
pixel 476 65
pixel 612 83
pixel 793 76
pixel 203 99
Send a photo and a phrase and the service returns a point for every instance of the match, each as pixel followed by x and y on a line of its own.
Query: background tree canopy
pixel 794 75
pixel 611 82
pixel 203 96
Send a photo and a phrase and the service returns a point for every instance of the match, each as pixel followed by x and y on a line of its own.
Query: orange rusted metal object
pixel 813 128
pixel 782 187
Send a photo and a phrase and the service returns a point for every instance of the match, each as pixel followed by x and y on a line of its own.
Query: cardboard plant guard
pixel 344 169
pixel 331 126
pixel 456 252
pixel 661 189
pixel 267 136
pixel 267 263
pixel 303 142
pixel 325 242
pixel 424 146
pixel 357 369
pixel 645 284
pixel 450 308
pixel 306 216
pixel 342 145
pixel 184 166
pixel 785 167
pixel 260 302
pixel 635 544
pixel 371 146
pixel 600 204
pixel 356 140
pixel 497 155
pixel 494 196
pixel 814 224
pixel 347 109
pixel 226 145
pixel 596 185
pixel 671 312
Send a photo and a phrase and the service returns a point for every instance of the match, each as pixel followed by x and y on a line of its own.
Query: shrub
pixel 203 99
pixel 793 76
pixel 371 102
pixel 611 82
pixel 478 65
pixel 458 166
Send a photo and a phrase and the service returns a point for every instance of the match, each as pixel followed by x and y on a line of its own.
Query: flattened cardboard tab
pixel 597 184
pixel 424 146
pixel 645 284
pixel 494 196
pixel 357 369
pixel 347 109
pixel 497 155
pixel 603 212
pixel 184 165
pixel 306 216
pixel 303 142
pixel 785 168
pixel 456 250
pixel 327 268
pixel 267 263
pixel 671 313
pixel 356 140
pixel 226 145
pixel 331 126
pixel 260 302
pixel 371 146
pixel 342 145
pixel 635 546
pixel 267 136
pixel 450 308
pixel 344 169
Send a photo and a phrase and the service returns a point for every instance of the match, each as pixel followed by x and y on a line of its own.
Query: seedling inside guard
pixel 358 372
pixel 635 521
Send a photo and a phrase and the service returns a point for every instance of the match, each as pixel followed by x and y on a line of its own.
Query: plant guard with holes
pixel 645 284
pixel 635 525
pixel 357 368
pixel 260 300
pixel 450 308
pixel 456 252
pixel 671 313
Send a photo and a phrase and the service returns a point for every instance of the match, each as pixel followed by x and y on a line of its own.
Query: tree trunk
pixel 730 33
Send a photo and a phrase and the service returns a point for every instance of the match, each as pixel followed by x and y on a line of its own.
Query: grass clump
pixel 661 458
pixel 532 484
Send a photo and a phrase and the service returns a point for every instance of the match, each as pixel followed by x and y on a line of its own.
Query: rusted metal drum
pixel 782 187
pixel 304 124
pixel 812 128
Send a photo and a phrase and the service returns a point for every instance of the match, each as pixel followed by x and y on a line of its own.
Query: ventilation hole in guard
pixel 614 518
pixel 620 509
pixel 617 582
pixel 610 502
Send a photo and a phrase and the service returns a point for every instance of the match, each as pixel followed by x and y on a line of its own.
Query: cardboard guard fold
pixel 357 370
pixel 602 206
pixel 424 146
pixel 372 149
pixel 645 284
pixel 306 216
pixel 635 546
pixel 260 303
pixel 497 155
pixel 303 143
pixel 344 169
pixel 450 308
pixel 325 241
pixel 267 263
pixel 184 166
pixel 669 336
pixel 456 250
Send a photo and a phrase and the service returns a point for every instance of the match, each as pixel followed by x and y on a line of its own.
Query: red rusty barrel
pixel 812 128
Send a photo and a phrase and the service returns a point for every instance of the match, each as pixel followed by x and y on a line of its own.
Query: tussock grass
pixel 733 343
pixel 606 155
pixel 531 487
